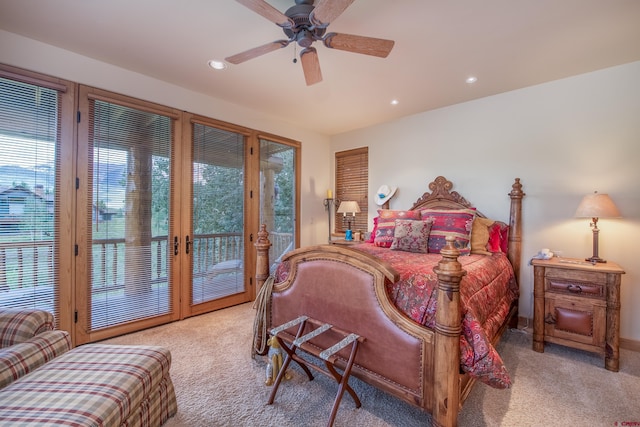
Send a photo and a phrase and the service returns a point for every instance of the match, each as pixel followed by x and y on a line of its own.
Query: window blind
pixel 218 213
pixel 130 170
pixel 278 195
pixel 29 196
pixel 352 176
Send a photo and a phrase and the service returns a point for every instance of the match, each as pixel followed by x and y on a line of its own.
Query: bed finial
pixel 516 190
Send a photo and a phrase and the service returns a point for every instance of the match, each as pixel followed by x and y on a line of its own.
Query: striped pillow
pixel 385 229
pixel 449 222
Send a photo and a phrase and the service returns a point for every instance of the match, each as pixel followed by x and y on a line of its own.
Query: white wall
pixel 36 56
pixel 564 139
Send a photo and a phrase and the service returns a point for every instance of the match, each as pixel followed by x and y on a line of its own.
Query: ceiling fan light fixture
pixel 304 38
pixel 216 65
pixel 305 23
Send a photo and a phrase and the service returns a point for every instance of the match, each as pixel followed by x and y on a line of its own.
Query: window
pixel 35 136
pixel 352 177
pixel 279 174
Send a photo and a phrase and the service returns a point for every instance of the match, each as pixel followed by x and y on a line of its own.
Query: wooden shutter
pixel 352 183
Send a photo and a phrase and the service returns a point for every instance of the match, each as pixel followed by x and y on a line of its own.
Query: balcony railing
pixel 26 268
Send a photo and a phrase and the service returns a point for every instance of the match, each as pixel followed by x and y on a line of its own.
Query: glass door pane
pixel 218 214
pixel 129 213
pixel 29 196
pixel 278 196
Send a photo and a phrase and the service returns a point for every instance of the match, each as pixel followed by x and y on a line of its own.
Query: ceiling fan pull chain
pixel 295 48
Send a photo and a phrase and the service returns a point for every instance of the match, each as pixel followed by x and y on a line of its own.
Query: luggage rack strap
pixel 290 323
pixel 324 355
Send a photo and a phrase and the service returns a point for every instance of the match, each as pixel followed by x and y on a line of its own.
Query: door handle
pixel 188 245
pixel 175 246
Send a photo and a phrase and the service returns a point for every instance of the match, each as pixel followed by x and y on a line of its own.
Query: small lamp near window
pixel 349 207
pixel 596 206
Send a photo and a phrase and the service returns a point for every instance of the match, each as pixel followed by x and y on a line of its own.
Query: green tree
pixel 160 185
pixel 220 204
pixel 285 184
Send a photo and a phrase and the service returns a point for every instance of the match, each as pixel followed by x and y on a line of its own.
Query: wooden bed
pixel 348 288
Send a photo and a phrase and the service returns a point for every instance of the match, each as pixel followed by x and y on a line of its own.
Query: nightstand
pixel 343 242
pixel 577 304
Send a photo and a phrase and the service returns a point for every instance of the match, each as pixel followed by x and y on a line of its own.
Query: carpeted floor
pixel 218 384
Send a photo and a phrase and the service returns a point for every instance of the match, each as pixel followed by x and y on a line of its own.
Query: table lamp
pixel 596 206
pixel 348 207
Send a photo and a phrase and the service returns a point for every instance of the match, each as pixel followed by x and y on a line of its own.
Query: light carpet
pixel 217 383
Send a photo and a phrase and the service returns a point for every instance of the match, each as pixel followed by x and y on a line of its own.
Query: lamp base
pixel 348 235
pixel 594 259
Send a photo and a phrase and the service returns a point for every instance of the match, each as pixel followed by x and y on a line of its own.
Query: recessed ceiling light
pixel 217 65
pixel 471 80
pixel 394 102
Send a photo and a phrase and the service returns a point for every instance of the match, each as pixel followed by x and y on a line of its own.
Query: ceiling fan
pixel 305 24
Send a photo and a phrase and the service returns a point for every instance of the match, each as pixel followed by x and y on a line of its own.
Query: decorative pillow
pixel 498 237
pixel 453 222
pixel 411 236
pixel 387 223
pixel 480 235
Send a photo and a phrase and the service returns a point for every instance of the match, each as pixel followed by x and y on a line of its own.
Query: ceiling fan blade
pixel 359 44
pixel 327 10
pixel 263 8
pixel 311 66
pixel 256 51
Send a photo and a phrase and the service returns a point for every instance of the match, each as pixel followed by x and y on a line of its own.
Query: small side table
pixel 343 242
pixel 577 304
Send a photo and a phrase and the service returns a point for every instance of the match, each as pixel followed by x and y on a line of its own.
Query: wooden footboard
pixel 347 288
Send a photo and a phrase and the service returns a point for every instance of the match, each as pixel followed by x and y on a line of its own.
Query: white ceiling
pixel 507 44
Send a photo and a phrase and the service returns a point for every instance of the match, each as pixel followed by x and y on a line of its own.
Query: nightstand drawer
pixel 574 287
pixel 560 274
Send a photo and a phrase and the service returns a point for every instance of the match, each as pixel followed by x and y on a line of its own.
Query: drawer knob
pixel 576 289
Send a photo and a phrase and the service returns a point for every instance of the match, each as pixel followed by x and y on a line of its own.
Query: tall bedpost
pixel 262 257
pixel 448 327
pixel 514 252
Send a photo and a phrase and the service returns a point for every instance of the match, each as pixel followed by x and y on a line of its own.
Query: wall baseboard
pixel 626 343
pixel 629 344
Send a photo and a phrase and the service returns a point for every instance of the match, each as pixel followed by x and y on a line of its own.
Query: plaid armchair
pixel 27 341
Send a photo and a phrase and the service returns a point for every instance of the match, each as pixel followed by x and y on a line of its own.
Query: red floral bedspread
pixel 486 292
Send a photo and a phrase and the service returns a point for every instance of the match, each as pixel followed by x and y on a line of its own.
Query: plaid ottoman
pixel 94 385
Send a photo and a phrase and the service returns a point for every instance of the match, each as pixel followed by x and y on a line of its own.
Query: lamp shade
pixel 349 206
pixel 597 205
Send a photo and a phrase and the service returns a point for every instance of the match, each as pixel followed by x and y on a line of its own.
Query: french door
pixel 118 214
pixel 215 184
pixel 126 213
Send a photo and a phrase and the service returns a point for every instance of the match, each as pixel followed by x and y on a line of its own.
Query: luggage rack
pixel 329 355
